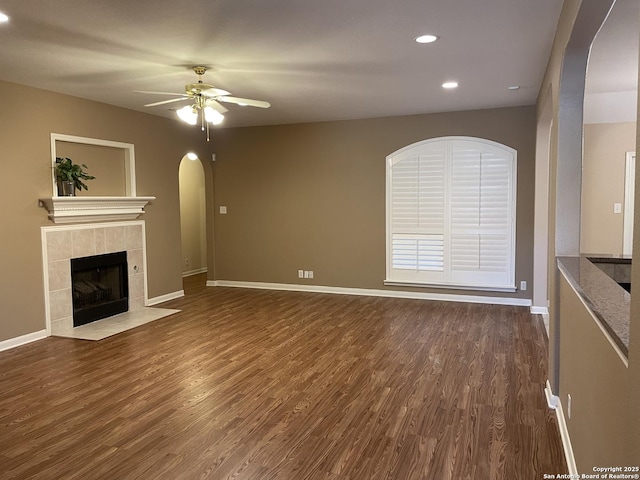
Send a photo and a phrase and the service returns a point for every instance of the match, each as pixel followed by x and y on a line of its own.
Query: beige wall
pixel 597 407
pixel 105 163
pixel 312 196
pixel 603 176
pixel 588 432
pixel 25 140
pixel 632 439
pixel 193 216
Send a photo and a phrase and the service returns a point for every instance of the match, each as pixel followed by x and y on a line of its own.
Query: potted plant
pixel 70 177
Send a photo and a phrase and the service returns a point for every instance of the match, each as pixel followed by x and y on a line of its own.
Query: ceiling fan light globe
pixel 188 114
pixel 213 116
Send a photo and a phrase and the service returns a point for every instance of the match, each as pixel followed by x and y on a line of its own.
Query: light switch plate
pixel 617 208
pixel 223 210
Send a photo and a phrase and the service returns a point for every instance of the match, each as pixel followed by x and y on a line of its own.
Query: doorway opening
pixel 193 219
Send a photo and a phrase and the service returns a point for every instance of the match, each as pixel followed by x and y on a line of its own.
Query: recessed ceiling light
pixel 427 38
pixel 514 87
pixel 3 18
pixel 450 85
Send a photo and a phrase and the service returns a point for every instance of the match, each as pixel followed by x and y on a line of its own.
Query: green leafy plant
pixel 67 171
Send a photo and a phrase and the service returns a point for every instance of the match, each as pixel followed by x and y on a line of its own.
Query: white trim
pixel 446 274
pixel 629 197
pixel 90 226
pixel 92 209
pixel 93 225
pixel 523 302
pixel 23 340
pixel 189 273
pixel 452 286
pixel 45 277
pixel 165 298
pixel 539 310
pixel 554 403
pixel 544 311
pixel 552 400
pixel 129 158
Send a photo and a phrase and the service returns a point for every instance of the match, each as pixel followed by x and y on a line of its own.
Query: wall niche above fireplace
pixel 115 162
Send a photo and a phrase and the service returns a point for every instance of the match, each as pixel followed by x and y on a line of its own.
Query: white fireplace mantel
pixel 92 209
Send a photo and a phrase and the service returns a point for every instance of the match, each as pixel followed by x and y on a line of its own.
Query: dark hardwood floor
pixel 253 384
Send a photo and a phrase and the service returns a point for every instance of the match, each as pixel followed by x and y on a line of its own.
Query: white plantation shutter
pixel 417 207
pixel 418 252
pixel 451 213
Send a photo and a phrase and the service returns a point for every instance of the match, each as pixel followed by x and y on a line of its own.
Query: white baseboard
pixel 539 310
pixel 194 272
pixel 22 340
pixel 554 402
pixel 524 302
pixel 165 298
pixel 544 311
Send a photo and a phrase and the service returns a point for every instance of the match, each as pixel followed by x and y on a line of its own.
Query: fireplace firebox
pixel 100 287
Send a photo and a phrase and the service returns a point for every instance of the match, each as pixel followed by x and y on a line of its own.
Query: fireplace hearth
pixel 99 286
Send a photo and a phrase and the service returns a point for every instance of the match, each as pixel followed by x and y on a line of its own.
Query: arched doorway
pixel 193 219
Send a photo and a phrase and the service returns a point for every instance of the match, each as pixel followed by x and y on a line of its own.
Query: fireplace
pixel 99 286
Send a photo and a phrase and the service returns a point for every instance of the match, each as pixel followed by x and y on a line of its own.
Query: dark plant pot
pixel 66 189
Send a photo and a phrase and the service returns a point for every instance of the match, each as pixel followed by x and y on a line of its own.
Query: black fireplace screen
pixel 100 287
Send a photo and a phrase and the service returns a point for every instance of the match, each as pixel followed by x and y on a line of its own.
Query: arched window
pixel 451 214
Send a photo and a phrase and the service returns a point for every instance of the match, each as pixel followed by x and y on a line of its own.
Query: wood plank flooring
pixel 251 384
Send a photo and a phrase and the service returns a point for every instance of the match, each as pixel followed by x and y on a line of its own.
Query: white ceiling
pixel 313 60
pixel 611 89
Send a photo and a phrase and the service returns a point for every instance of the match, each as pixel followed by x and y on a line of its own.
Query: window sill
pixel 399 283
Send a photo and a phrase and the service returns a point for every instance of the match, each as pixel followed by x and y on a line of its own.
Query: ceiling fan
pixel 205 102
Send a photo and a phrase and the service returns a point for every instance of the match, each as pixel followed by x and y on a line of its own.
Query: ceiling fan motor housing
pixel 200 70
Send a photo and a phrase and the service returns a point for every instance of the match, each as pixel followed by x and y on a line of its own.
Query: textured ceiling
pixel 613 61
pixel 313 60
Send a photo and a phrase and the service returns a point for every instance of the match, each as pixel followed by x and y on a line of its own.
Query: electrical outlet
pixel 223 210
pixel 186 262
pixel 523 285
pixel 569 405
pixel 617 208
pixel 310 273
pixel 300 273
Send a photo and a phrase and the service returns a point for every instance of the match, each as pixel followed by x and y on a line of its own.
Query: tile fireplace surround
pixel 62 243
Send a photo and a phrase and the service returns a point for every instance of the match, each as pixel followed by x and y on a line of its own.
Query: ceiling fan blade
pixel 216 106
pixel 245 101
pixel 215 92
pixel 175 94
pixel 154 104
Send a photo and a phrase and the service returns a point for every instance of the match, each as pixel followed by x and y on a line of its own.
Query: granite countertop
pixel 609 302
pixel 608 258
